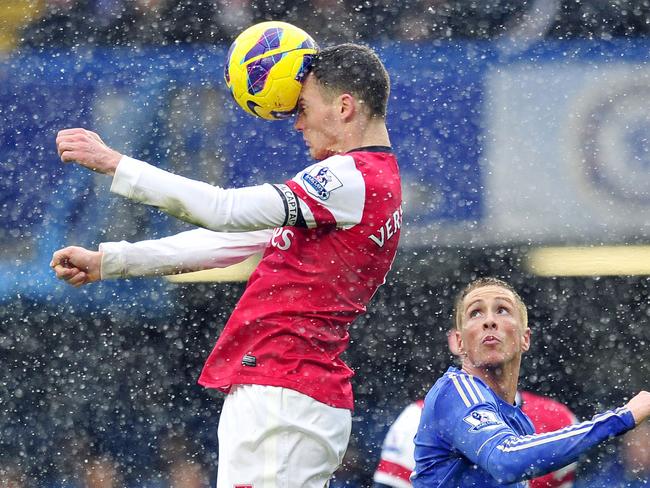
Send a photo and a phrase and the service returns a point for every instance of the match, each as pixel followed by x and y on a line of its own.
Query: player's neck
pixel 376 134
pixel 502 380
pixel 370 133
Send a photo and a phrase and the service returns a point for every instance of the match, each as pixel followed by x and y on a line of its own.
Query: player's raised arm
pixel 515 458
pixel 227 210
pixel 331 192
pixel 233 210
pixel 193 250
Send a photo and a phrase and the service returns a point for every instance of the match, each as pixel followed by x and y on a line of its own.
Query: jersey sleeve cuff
pixel 628 418
pixel 127 175
pixel 112 264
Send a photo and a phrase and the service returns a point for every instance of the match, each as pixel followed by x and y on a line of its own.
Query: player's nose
pixel 297 122
pixel 489 322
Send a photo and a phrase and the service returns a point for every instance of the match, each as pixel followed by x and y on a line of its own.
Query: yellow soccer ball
pixel 265 68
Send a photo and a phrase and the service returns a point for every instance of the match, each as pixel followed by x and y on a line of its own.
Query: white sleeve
pixel 194 250
pixel 234 210
pixel 336 185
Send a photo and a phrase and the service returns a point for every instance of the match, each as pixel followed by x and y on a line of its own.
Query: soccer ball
pixel 265 68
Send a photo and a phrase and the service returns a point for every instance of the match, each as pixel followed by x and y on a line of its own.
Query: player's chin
pixel 315 153
pixel 493 361
pixel 320 154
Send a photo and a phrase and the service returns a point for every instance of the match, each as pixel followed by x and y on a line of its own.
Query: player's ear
pixel 347 106
pixel 525 343
pixel 454 341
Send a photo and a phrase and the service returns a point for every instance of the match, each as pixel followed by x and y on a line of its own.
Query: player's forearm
pixel 516 458
pixel 188 251
pixel 236 210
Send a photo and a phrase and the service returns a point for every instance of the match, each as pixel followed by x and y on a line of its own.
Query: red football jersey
pixel 291 323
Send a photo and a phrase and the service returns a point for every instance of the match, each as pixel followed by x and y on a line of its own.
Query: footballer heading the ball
pixel 265 67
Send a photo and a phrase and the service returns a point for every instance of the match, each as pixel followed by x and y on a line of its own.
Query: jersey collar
pixel 383 149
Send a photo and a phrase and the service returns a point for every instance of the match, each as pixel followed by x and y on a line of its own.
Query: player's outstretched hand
pixel 640 407
pixel 86 148
pixel 77 266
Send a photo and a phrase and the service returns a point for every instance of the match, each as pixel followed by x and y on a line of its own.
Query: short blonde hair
pixel 483 282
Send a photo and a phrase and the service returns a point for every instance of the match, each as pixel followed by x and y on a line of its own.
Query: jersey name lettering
pixel 389 229
pixel 282 238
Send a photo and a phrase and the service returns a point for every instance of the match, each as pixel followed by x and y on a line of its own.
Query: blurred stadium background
pixel 523 134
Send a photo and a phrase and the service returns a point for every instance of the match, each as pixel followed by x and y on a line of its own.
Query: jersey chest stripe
pixel 469 388
pixel 476 388
pixel 460 391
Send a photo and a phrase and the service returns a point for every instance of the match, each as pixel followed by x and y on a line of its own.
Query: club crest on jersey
pixel 320 182
pixel 482 419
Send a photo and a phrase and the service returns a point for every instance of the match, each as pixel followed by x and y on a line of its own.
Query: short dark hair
pixel 480 283
pixel 355 69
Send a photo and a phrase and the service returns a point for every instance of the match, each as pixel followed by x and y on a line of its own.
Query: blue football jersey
pixel 469 437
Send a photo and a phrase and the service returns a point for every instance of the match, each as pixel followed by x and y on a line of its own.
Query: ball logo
pixel 259 66
pixel 282 238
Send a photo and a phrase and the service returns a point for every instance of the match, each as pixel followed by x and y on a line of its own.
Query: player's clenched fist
pixel 77 266
pixel 86 148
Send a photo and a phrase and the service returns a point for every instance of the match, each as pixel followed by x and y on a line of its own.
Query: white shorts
pixel 272 437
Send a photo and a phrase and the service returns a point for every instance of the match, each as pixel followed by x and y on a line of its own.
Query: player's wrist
pixel 112 162
pixel 95 266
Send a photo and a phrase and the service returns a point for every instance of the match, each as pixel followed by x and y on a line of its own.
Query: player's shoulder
pixel 470 389
pixel 458 390
pixel 380 159
pixel 357 163
pixel 336 161
pixel 334 176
